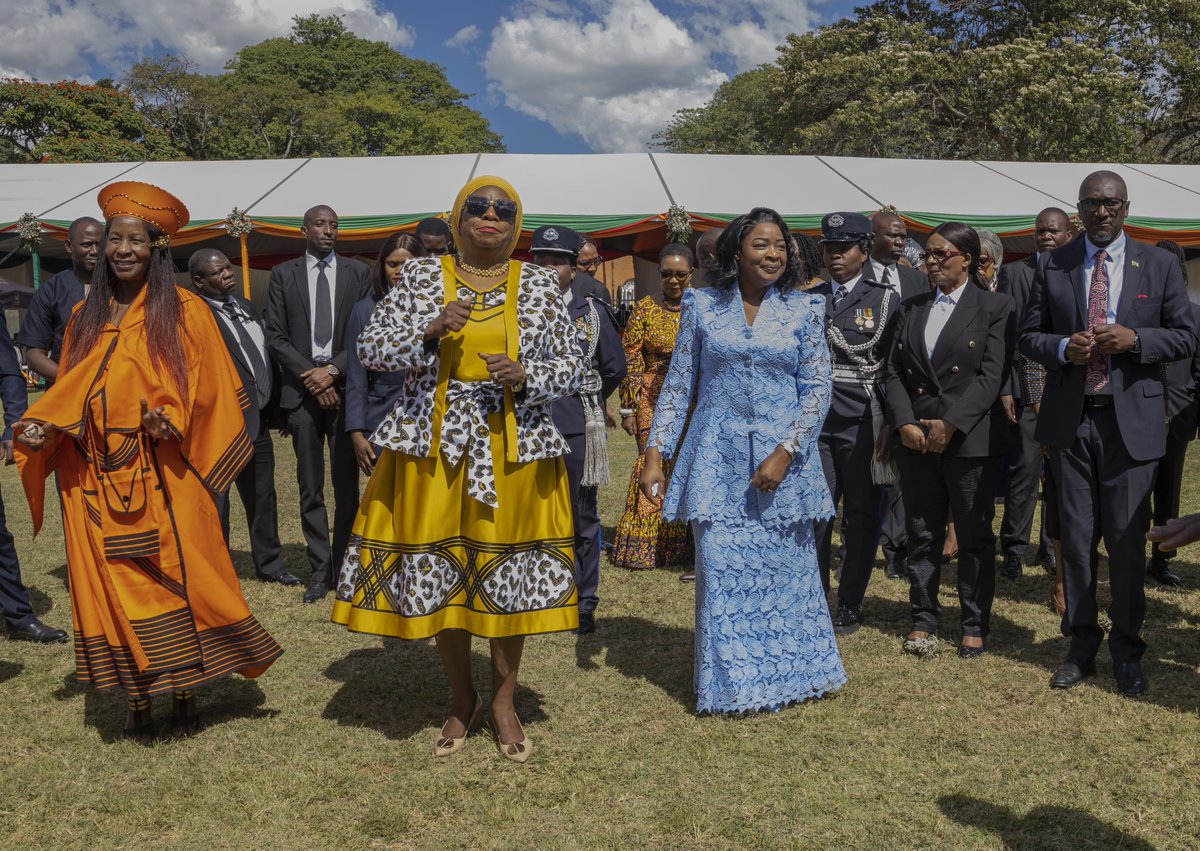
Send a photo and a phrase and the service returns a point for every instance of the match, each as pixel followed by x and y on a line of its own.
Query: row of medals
pixel 864 317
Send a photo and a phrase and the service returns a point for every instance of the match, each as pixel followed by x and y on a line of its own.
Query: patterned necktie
pixel 840 293
pixel 1097 366
pixel 322 311
pixel 258 367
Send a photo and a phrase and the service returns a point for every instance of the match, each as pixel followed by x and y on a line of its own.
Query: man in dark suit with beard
pixel 309 300
pixel 214 280
pixel 1104 314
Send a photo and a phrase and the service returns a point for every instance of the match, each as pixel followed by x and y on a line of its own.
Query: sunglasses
pixel 476 205
pixel 673 274
pixel 1091 205
pixel 937 255
pixel 594 263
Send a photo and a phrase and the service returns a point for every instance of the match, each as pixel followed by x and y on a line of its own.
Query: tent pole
pixel 245 268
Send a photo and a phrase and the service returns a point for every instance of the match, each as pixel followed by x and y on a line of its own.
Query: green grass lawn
pixel 332 747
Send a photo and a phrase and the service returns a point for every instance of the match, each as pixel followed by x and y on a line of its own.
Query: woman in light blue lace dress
pixel 751 350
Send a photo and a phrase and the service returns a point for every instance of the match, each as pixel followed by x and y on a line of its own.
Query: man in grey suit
pixel 308 302
pixel 1052 229
pixel 1104 314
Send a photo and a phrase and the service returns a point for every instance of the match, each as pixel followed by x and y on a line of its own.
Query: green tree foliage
pixel 70 122
pixel 1072 80
pixel 321 91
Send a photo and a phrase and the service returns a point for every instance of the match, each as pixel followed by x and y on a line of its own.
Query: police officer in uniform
pixel 860 320
pixel 580 417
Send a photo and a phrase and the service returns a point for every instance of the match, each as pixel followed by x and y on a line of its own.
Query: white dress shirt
pixel 325 352
pixel 939 315
pixel 1114 264
pixel 893 274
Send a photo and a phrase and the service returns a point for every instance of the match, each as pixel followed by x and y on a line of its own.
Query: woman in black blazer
pixel 370 395
pixel 950 360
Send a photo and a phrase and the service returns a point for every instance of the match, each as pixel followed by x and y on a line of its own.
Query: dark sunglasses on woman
pixel 477 205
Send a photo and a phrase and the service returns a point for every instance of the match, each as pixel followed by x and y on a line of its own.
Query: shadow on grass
pixel 10 670
pixel 226 700
pixel 1170 661
pixel 294 557
pixel 1047 826
pixel 642 649
pixel 400 689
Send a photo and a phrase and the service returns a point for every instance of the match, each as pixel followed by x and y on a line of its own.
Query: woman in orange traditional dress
pixel 642 540
pixel 142 426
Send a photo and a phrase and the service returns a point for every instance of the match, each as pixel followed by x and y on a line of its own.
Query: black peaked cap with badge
pixel 845 227
pixel 556 239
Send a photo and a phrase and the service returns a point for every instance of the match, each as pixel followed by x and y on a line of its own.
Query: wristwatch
pixel 334 372
pixel 1136 348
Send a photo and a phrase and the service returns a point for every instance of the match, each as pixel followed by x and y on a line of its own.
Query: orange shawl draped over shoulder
pixel 156 604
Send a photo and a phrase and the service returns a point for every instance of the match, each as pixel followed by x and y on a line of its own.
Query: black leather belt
pixel 1097 401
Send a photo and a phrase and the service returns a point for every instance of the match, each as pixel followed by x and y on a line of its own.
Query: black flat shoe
pixel 315 592
pixel 139 726
pixel 896 569
pixel 847 620
pixel 1071 674
pixel 587 623
pixel 185 720
pixel 283 578
pixel 1131 682
pixel 37 632
pixel 965 652
pixel 1011 569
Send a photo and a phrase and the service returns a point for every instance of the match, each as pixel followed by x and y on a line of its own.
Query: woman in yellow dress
pixel 465 526
pixel 642 540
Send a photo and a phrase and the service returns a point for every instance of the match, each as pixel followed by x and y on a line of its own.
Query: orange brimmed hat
pixel 143 201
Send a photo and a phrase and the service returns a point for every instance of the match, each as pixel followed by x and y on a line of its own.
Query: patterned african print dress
pixel 642 540
pixel 466 520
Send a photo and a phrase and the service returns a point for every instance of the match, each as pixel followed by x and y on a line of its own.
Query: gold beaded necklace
pixel 491 272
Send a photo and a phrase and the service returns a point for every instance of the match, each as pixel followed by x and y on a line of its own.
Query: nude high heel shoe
pixel 518 752
pixel 447 745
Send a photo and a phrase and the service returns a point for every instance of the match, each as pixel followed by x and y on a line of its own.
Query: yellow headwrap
pixel 474 186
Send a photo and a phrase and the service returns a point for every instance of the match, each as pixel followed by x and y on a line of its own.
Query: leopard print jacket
pixel 547 348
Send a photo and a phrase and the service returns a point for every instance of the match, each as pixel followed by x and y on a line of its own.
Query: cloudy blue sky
pixel 552 76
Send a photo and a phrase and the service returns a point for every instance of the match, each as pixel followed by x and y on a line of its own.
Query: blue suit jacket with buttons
pixel 1154 303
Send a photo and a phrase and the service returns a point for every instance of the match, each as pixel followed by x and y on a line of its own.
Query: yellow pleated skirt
pixel 425 556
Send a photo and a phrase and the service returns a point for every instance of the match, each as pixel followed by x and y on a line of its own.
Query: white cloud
pixel 64 40
pixel 612 81
pixel 615 77
pixel 463 37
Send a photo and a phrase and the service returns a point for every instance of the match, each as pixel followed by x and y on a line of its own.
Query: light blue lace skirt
pixel 763 634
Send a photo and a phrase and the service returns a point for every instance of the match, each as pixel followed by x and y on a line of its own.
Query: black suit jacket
pixel 1154 303
pixel 609 360
pixel 254 415
pixel 585 284
pixel 963 382
pixel 289 328
pixel 1182 378
pixel 13 393
pixel 1015 280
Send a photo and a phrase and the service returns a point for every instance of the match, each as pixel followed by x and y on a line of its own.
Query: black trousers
pixel 14 598
pixel 934 486
pixel 256 489
pixel 1103 492
pixel 846 447
pixel 586 515
pixel 1167 484
pixel 894 540
pixel 314 430
pixel 1024 457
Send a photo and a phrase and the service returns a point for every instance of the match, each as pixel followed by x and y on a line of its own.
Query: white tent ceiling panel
pixel 44 189
pixel 947 187
pixel 725 185
pixel 1149 196
pixel 580 184
pixel 370 186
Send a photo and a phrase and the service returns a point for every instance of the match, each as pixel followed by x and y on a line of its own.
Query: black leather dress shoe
pixel 896 569
pixel 1011 569
pixel 690 576
pixel 847 620
pixel 1049 563
pixel 315 592
pixel 1131 682
pixel 587 623
pixel 1071 674
pixel 283 578
pixel 37 632
pixel 1160 570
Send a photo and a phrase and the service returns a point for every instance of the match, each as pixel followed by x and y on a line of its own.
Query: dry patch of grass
pixel 332 746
